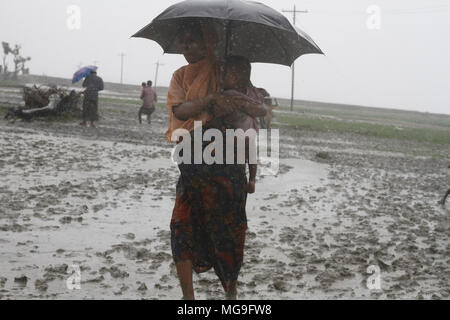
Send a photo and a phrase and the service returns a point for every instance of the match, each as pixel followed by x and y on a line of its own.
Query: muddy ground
pixel 100 200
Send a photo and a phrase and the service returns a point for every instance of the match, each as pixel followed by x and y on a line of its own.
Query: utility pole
pixel 294 14
pixel 122 55
pixel 156 73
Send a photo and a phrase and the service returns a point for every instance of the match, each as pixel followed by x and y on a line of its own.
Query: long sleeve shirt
pixel 93 85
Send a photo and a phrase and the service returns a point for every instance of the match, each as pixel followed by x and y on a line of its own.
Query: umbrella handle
pixel 224 65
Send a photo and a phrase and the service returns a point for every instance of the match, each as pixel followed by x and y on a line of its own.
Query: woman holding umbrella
pixel 93 85
pixel 209 221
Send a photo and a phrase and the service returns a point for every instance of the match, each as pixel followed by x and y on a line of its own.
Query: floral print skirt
pixel 209 220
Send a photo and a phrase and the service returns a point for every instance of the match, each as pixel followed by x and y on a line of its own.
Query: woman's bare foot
pixel 231 296
pixel 231 293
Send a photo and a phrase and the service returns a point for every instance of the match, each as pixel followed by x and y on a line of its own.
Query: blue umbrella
pixel 83 73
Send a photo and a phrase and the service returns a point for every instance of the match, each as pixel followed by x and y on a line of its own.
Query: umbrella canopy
pixel 83 73
pixel 244 28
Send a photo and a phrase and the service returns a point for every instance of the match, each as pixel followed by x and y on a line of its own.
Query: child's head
pixel 237 73
pixel 143 84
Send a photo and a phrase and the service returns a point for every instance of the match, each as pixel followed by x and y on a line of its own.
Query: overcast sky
pixel 404 64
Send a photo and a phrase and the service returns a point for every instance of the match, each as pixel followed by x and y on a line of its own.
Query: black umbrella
pixel 244 28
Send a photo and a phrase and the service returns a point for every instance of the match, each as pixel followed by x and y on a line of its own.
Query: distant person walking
pixel 143 86
pixel 149 97
pixel 93 85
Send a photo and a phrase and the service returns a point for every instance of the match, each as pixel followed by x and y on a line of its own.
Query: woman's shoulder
pixel 180 71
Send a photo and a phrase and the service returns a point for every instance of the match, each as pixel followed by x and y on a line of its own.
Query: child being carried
pixel 237 84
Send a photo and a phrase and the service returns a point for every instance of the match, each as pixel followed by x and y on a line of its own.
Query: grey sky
pixel 405 64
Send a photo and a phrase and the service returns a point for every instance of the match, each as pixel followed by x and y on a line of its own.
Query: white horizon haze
pixel 401 60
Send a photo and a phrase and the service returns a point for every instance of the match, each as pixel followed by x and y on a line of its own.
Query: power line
pixel 430 7
pixel 294 16
pixel 443 8
pixel 425 11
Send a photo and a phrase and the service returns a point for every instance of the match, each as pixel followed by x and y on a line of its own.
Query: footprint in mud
pixel 129 236
pixel 24 243
pixel 161 287
pixel 3 281
pixel 94 280
pixel 142 287
pixel 121 290
pixel 56 272
pixel 115 272
pixel 281 285
pixel 68 220
pixel 164 279
pixel 14 228
pixel 98 207
pixel 21 281
pixel 41 285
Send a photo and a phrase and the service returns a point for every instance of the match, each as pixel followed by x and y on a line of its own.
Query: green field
pixel 432 135
pixel 316 116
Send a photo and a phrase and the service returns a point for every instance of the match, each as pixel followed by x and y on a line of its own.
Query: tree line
pixel 19 61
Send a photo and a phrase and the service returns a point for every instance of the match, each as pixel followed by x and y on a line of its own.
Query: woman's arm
pixel 190 109
pixel 225 105
pixel 252 109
